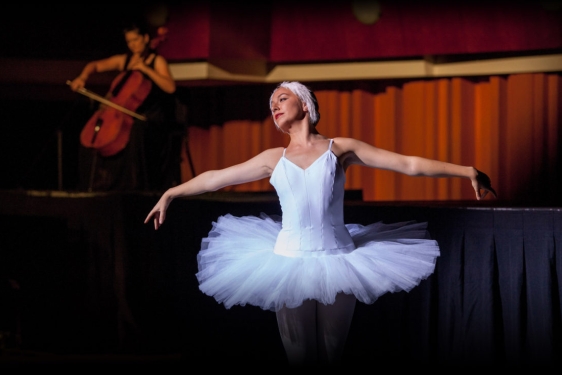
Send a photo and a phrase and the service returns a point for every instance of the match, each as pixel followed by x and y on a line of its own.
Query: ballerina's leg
pixel 333 324
pixel 297 327
pixel 315 333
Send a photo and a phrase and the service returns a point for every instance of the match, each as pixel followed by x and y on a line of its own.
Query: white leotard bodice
pixel 312 206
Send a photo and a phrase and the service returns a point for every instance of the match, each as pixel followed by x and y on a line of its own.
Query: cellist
pixel 142 164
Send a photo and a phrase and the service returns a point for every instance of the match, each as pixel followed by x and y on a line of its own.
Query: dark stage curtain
pixel 94 279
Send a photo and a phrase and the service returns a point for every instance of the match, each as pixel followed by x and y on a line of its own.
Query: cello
pixel 109 128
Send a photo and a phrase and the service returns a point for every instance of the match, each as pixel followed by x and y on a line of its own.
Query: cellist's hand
pixel 137 63
pixel 77 83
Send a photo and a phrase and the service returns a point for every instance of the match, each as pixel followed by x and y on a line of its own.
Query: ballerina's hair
pixel 306 95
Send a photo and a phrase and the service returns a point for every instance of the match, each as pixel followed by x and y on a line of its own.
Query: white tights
pixel 314 333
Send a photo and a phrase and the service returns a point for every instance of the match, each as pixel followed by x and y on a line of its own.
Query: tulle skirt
pixel 237 265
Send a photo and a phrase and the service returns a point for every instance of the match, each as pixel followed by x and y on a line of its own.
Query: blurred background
pixel 475 83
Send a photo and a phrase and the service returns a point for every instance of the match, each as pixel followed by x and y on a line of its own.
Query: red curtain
pixel 507 126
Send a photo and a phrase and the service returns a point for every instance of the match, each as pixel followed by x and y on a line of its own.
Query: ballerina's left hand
pixel 482 185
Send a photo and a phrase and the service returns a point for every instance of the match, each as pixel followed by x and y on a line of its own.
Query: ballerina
pixel 311 268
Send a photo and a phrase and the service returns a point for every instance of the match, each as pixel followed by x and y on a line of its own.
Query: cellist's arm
pixel 115 62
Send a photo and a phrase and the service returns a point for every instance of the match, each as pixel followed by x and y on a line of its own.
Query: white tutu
pixel 237 265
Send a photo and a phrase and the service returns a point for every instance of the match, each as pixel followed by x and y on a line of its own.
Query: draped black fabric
pixel 95 279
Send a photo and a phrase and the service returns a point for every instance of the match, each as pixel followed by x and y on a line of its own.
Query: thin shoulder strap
pixel 330 146
pixel 127 60
pixel 284 152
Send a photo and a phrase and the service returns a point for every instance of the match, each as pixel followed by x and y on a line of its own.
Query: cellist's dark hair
pixel 140 27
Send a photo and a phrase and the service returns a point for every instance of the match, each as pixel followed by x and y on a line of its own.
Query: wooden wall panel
pixel 411 137
pixel 461 136
pixel 442 135
pixel 430 116
pixel 363 128
pixel 387 116
pixel 518 134
pixel 554 135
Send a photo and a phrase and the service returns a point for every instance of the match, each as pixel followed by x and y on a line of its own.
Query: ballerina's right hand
pixel 157 214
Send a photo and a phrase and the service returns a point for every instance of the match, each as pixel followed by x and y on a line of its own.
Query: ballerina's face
pixel 286 107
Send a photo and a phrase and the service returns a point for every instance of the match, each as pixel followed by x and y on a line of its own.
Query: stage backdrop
pixel 508 126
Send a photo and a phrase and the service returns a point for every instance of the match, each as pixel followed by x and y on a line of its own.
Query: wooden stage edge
pixel 352 198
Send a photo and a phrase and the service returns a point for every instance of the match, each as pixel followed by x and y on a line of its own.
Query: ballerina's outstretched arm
pixel 256 168
pixel 353 151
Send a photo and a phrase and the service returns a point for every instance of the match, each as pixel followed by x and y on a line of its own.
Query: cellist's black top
pixel 157 106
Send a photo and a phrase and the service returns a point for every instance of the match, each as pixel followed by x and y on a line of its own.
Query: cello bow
pixel 103 100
